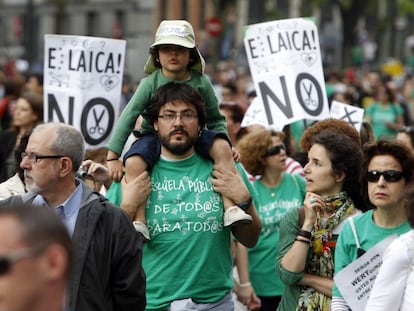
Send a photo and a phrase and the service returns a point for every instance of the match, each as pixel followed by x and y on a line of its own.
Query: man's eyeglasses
pixel 274 150
pixel 33 157
pixel 7 260
pixel 185 117
pixel 390 176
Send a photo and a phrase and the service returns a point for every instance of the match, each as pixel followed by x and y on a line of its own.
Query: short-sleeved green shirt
pixel 369 234
pixel 188 255
pixel 272 204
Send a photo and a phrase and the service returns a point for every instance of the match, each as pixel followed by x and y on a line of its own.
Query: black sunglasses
pixel 274 150
pixel 390 175
pixel 7 260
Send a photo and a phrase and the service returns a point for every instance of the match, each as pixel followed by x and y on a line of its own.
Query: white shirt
pixel 394 286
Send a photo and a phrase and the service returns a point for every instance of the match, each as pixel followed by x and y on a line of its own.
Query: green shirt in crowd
pixel 272 204
pixel 188 255
pixel 369 234
pixel 379 115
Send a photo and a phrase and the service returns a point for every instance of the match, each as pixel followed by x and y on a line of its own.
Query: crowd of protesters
pixel 298 190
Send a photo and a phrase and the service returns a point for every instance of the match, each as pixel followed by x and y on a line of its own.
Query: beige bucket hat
pixel 177 32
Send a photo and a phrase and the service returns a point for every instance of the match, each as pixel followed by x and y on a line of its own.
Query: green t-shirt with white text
pixel 272 204
pixel 188 255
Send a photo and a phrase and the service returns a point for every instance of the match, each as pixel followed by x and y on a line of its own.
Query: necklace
pixel 271 189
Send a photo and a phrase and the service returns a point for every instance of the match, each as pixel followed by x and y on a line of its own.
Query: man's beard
pixel 33 187
pixel 180 147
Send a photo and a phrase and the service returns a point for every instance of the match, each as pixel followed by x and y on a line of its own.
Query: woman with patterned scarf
pixel 305 259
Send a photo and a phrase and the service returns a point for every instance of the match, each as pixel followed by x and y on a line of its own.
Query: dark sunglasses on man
pixel 7 260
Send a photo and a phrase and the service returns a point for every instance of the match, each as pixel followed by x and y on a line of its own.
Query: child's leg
pixel 134 166
pixel 222 156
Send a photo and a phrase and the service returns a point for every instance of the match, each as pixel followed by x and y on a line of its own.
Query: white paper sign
pixel 356 280
pixel 82 84
pixel 285 63
pixel 255 114
pixel 351 114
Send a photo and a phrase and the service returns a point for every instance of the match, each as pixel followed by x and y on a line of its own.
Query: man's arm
pixel 239 190
pixel 135 193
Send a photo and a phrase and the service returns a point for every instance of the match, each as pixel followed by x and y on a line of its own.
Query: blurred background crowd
pixel 367 51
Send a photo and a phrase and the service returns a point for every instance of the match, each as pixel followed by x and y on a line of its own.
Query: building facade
pixel 25 22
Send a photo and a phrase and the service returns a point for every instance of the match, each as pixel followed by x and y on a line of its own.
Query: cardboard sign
pixel 82 84
pixel 351 114
pixel 285 62
pixel 356 280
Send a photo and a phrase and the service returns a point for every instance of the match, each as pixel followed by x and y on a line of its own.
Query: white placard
pixel 351 114
pixel 285 62
pixel 82 84
pixel 356 280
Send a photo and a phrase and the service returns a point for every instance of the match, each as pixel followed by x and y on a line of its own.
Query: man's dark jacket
pixel 107 274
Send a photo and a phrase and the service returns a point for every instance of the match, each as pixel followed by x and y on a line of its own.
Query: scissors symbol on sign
pixel 310 102
pixel 97 127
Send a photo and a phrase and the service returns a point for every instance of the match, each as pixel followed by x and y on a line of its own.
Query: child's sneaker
pixel 142 228
pixel 236 216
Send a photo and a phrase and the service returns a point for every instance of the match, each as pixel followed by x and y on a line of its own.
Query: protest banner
pixel 82 84
pixel 351 114
pixel 356 280
pixel 285 63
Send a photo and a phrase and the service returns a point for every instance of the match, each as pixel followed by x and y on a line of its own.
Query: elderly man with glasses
pixel 107 273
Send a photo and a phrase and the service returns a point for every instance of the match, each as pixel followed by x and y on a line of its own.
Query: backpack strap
pixel 351 222
pixel 360 251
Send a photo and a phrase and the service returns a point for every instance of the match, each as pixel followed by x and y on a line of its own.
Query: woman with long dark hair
pixel 305 259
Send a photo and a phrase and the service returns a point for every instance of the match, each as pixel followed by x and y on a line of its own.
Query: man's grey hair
pixel 68 142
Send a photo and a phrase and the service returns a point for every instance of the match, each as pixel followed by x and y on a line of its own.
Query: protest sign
pixel 351 114
pixel 285 63
pixel 82 84
pixel 256 114
pixel 356 280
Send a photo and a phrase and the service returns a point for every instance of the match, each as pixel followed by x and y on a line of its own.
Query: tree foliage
pixel 353 10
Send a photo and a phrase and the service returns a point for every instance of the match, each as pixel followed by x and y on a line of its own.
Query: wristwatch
pixel 245 204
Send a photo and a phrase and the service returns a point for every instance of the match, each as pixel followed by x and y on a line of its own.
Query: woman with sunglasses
pixel 263 154
pixel 388 167
pixel 308 235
